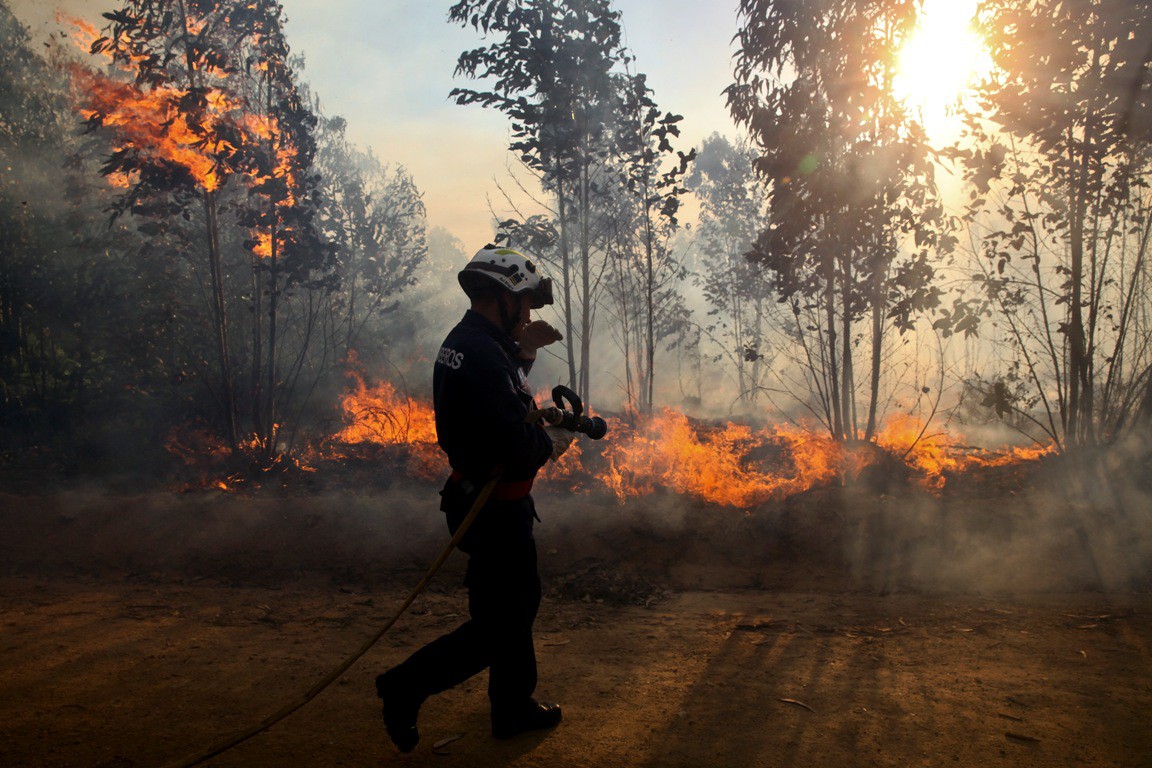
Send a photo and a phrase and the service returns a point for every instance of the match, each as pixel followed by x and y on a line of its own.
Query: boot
pixel 534 717
pixel 399 710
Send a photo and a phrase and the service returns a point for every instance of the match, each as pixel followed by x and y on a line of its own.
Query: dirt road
pixel 137 631
pixel 126 674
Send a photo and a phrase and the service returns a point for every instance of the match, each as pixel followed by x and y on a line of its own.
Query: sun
pixel 939 64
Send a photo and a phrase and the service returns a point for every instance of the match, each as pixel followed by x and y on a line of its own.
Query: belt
pixel 505 490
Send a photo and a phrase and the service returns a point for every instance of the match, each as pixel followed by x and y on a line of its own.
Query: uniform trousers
pixel 504 594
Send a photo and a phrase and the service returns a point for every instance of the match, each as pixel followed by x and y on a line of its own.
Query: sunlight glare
pixel 943 58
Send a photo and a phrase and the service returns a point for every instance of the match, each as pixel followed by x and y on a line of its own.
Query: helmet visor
pixel 543 293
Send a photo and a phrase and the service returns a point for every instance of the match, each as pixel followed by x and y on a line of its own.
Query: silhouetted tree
pixel 1057 157
pixel 854 227
pixel 553 76
pixel 283 200
pixel 733 205
pixel 30 127
pixel 644 276
pixel 86 324
pixel 376 219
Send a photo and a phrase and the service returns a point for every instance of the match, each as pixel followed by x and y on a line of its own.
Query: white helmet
pixel 495 266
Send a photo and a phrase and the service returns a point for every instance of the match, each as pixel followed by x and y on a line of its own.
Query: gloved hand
pixel 534 335
pixel 561 439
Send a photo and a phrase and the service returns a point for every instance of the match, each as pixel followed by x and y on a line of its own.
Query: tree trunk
pixel 215 261
pixel 1077 364
pixel 271 393
pixel 758 344
pixel 270 397
pixel 566 274
pixel 847 381
pixel 650 319
pixel 878 305
pixel 353 278
pixel 256 395
pixel 631 398
pixel 1144 414
pixel 1080 397
pixel 833 371
pixel 585 286
pixel 220 320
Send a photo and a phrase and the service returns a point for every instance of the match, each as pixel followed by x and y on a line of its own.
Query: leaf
pixel 439 746
pixel 797 703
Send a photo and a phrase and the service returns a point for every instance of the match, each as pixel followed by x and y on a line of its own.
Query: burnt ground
pixel 989 625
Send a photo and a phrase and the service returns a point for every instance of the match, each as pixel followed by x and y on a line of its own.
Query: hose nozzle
pixel 574 419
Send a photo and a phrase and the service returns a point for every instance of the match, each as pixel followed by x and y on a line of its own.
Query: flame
pixel 937 455
pixel 932 454
pixel 150 123
pixel 732 465
pixel 738 466
pixel 1015 455
pixel 194 26
pixel 568 471
pixel 380 415
pixel 262 245
pixel 84 34
pixel 281 177
pixel 729 465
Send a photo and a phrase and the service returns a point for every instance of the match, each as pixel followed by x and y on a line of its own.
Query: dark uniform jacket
pixel 481 398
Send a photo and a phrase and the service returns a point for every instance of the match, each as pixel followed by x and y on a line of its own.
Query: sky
pixel 387 66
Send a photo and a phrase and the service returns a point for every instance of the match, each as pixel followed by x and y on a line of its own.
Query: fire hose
pixel 574 420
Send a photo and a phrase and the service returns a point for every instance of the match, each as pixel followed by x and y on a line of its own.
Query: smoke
pixel 1070 526
pixel 345 538
pixel 1079 524
pixel 1058 525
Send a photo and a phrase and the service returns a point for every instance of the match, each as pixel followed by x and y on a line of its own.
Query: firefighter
pixel 481 400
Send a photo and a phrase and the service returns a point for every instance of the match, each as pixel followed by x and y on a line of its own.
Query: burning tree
pixel 176 147
pixel 208 95
pixel 854 227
